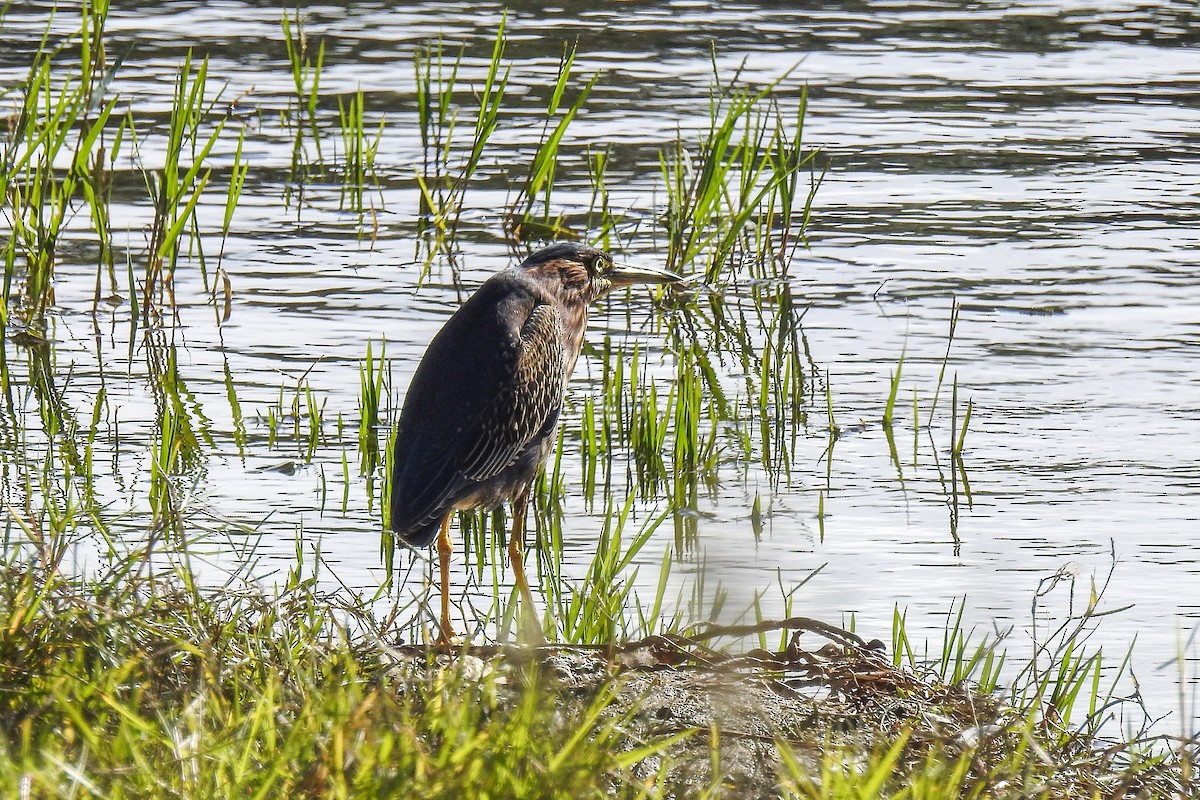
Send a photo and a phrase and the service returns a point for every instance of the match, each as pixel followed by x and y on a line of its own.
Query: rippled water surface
pixel 1037 163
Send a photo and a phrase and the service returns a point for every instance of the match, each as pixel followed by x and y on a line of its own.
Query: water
pixel 1035 162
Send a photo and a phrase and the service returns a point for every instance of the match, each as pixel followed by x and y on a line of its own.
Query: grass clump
pixel 132 685
pixel 522 223
pixel 449 167
pixel 735 197
pixel 144 683
pixel 59 122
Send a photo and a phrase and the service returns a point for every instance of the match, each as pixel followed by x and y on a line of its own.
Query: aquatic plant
pixel 306 70
pixel 521 224
pixel 373 393
pixel 61 119
pixel 358 153
pixel 741 178
pixel 447 172
pixel 176 187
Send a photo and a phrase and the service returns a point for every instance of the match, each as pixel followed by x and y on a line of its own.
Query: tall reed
pixel 176 187
pixel 726 198
pixel 448 164
pixel 539 180
pixel 60 121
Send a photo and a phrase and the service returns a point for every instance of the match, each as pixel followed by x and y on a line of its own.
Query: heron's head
pixel 578 275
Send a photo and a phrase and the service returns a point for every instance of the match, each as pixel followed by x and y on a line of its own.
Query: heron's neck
pixel 574 321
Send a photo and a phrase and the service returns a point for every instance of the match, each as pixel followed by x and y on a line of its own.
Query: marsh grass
pixel 221 288
pixel 538 184
pixel 733 200
pixel 60 121
pixel 359 151
pixel 175 189
pixel 601 218
pixel 596 609
pixel 373 403
pixel 448 164
pixel 306 68
pixel 159 684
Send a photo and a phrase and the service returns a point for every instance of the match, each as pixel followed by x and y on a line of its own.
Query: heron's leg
pixel 516 556
pixel 445 547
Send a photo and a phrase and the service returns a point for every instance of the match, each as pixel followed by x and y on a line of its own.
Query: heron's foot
pixel 446 635
pixel 450 639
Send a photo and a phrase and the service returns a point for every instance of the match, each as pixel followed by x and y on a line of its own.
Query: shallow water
pixel 1037 162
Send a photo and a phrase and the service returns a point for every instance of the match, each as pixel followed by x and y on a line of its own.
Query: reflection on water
pixel 1036 163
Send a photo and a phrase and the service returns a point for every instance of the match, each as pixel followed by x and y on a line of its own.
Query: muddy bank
pixel 759 724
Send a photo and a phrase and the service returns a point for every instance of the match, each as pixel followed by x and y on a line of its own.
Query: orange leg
pixel 516 557
pixel 445 547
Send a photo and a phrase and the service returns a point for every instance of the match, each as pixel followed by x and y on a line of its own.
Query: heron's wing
pixel 524 403
pixel 490 383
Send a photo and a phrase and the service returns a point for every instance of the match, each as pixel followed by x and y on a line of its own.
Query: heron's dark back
pixel 482 406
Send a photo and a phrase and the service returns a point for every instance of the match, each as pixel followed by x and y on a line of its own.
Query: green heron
pixel 482 409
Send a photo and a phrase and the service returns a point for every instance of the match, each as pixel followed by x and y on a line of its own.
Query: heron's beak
pixel 628 275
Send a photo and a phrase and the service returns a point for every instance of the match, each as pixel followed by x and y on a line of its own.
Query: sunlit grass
pixel 176 187
pixel 157 684
pixel 539 180
pixel 732 200
pixel 448 165
pixel 61 119
pixel 213 692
